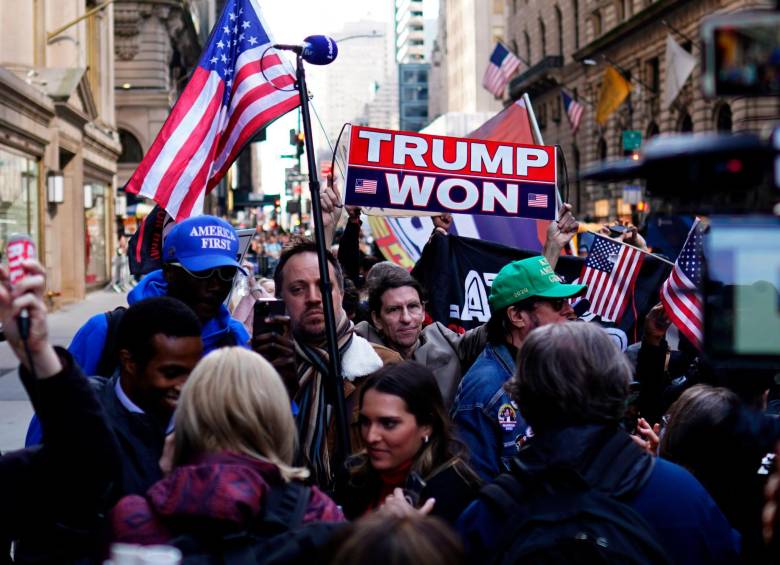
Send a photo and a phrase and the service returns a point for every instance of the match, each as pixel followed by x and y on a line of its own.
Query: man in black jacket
pixel 59 487
pixel 159 343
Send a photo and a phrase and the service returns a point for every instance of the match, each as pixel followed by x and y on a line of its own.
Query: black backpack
pixel 562 516
pixel 278 536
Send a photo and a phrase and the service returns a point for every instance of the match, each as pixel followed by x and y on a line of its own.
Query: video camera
pixel 735 181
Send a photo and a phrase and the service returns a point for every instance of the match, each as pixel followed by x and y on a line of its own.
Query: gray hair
pixel 570 374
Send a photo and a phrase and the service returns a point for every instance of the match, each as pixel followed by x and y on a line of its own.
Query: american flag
pixel 610 273
pixel 365 186
pixel 537 200
pixel 574 111
pixel 681 293
pixel 226 102
pixel 503 63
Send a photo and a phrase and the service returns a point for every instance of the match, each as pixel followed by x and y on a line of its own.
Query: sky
pixel 289 22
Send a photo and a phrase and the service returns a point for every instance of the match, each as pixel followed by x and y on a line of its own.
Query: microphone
pixel 315 49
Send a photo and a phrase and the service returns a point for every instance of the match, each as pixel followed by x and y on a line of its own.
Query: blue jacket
pixel 486 419
pixel 87 345
pixel 84 346
pixel 689 525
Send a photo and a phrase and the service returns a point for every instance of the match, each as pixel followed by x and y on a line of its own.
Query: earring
pixel 425 439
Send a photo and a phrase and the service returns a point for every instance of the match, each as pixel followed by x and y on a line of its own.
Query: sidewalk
pixel 15 409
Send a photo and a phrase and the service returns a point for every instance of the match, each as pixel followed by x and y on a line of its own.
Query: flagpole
pixel 653 255
pixel 334 382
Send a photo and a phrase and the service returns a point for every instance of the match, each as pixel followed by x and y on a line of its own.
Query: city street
pixel 15 408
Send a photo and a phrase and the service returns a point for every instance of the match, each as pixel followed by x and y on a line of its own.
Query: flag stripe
pixel 178 113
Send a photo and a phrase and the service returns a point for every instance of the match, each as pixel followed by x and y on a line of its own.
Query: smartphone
pixel 268 308
pixel 415 484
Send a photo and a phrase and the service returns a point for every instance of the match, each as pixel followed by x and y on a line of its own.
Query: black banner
pixel 457 273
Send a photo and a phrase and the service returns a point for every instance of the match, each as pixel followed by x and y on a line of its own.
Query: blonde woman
pixel 234 446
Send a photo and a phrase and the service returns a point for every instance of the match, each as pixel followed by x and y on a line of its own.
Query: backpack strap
pixel 505 493
pixel 109 357
pixel 284 509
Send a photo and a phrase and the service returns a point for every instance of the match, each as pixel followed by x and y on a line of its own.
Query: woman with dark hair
pixel 409 445
pixel 703 425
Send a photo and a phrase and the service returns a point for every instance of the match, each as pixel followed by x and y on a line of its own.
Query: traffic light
pixel 299 139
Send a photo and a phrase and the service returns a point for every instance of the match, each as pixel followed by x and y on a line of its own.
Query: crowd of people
pixel 175 421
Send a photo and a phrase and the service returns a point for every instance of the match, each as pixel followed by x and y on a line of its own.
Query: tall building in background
pixel 469 34
pixel 413 66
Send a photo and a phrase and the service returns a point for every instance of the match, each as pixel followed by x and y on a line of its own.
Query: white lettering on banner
pixel 530 157
pixel 475 304
pixel 492 194
pixel 409 146
pixel 461 155
pixel 482 161
pixel 375 139
pixel 411 184
pixel 444 194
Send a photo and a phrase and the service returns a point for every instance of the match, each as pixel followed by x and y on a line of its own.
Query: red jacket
pixel 221 492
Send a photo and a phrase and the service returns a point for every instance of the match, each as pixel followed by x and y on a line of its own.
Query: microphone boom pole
pixel 334 382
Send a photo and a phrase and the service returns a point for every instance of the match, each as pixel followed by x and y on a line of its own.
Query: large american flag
pixel 610 273
pixel 574 111
pixel 238 87
pixel 681 293
pixel 502 65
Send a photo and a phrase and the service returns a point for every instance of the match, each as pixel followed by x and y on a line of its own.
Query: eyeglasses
pixel 226 274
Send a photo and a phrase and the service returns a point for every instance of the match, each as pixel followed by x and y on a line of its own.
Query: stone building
pixel 157 44
pixel 58 139
pixel 569 43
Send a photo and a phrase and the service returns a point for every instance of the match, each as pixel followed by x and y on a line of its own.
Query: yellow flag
pixel 614 90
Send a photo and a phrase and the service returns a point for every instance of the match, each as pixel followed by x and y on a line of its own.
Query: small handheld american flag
pixel 681 293
pixel 610 273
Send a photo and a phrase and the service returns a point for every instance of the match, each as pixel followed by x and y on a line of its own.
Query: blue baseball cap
pixel 202 243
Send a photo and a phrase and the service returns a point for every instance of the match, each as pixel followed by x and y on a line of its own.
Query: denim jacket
pixel 486 419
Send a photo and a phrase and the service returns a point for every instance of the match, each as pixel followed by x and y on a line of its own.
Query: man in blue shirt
pixel 525 295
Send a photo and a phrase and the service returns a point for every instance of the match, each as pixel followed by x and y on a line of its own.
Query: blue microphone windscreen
pixel 319 50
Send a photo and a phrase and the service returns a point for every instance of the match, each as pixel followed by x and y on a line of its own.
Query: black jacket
pixel 454 486
pixel 140 439
pixel 52 496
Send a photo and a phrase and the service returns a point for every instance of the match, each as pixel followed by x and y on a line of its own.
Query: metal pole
pixel 334 363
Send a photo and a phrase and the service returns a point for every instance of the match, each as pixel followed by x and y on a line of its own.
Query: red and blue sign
pixel 429 173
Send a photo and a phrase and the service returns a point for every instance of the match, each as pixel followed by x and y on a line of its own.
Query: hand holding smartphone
pixel 20 248
pixel 265 319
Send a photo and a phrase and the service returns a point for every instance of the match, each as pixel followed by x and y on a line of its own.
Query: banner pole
pixel 539 141
pixel 334 382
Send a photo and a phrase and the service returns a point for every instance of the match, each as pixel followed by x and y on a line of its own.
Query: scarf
pixel 315 411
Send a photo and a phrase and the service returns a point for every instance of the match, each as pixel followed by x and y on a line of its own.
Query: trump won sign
pixel 430 173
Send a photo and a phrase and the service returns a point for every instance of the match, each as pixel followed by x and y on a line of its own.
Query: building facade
pixel 570 43
pixel 409 29
pixel 58 140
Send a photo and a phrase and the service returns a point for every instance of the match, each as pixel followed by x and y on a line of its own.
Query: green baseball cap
pixel 528 278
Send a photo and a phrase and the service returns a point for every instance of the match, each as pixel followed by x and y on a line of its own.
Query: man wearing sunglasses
pixel 525 295
pixel 199 262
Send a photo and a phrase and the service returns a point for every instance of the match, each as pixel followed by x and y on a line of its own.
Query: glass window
pixel 95 233
pixel 18 196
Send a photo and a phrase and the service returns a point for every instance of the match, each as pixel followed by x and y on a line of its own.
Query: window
pixel 416 111
pixel 19 195
pixel 652 130
pixel 620 11
pixel 652 73
pixel 596 23
pixel 685 123
pixel 559 29
pixel 527 40
pixel 543 37
pixel 575 9
pixel 723 122
pixel 131 149
pixel 601 149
